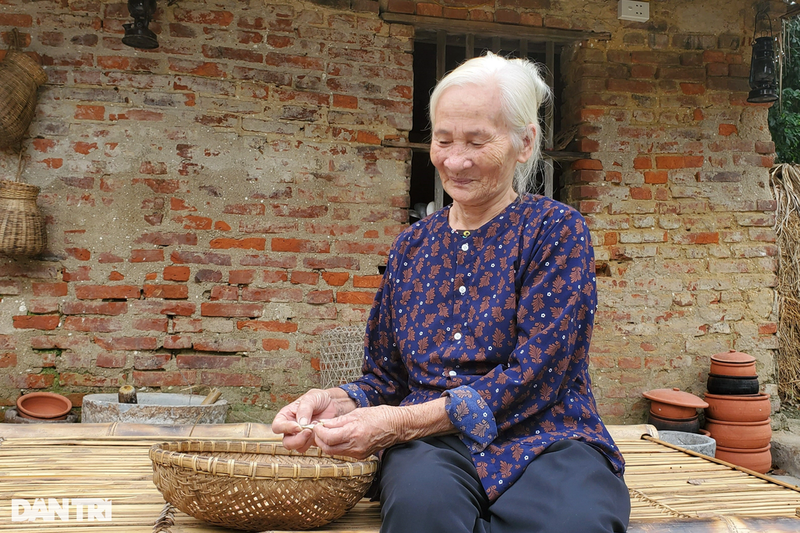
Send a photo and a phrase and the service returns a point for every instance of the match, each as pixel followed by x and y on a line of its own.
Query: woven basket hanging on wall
pixel 22 230
pixel 20 78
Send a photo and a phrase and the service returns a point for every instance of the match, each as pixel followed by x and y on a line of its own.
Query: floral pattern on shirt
pixel 499 320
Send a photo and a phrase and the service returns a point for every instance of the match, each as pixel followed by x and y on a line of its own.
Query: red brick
pixel 151 361
pixel 274 276
pixel 168 239
pixel 241 277
pixel 204 275
pixel 207 361
pixel 164 379
pixel 224 292
pixel 49 289
pixel 108 257
pixel 641 193
pixel 195 222
pixel 271 345
pixel 354 297
pixel 111 360
pixel 262 325
pixel 335 279
pixel 8 360
pixel 91 324
pixel 146 256
pixel 168 292
pixel 319 297
pixel 225 345
pixel 43 322
pixel 587 164
pixel 331 263
pixel 244 209
pixel 127 343
pixel 151 324
pixel 728 129
pixel 94 308
pixel 89 112
pixel 230 310
pixel 177 342
pixel 304 278
pixel 106 292
pixel 252 294
pixel 32 381
pixel 371 282
pixel 81 254
pixel 176 273
pixel 252 243
pixel 299 245
pixel 203 258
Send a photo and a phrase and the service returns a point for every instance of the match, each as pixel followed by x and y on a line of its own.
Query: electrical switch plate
pixel 631 10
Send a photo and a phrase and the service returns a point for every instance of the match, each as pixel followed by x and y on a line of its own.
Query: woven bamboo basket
pixel 256 486
pixel 22 229
pixel 20 78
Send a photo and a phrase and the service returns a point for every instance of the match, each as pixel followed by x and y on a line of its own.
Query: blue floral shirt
pixel 499 320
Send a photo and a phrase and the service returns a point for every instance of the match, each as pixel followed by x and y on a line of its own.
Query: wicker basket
pixel 22 230
pixel 20 78
pixel 256 486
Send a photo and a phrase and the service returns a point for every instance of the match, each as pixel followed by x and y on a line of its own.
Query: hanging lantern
pixel 763 83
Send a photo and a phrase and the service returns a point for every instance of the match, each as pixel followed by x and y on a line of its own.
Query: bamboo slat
pixel 666 484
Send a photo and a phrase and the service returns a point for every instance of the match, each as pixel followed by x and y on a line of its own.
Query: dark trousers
pixel 431 486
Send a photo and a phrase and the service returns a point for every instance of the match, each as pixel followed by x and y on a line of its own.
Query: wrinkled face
pixel 471 146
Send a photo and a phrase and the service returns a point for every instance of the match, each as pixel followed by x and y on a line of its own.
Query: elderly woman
pixel 476 372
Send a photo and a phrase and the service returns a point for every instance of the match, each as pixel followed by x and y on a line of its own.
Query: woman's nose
pixel 457 160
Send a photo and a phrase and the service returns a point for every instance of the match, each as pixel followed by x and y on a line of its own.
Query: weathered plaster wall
pixel 215 204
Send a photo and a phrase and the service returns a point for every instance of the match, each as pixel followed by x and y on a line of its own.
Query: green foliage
pixel 784 120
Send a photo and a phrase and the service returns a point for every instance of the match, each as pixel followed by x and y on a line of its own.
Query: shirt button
pixel 457 336
pixel 465 247
pixel 452 373
pixel 462 289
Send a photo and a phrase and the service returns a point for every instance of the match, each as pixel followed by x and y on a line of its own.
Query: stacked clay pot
pixel 674 410
pixel 737 416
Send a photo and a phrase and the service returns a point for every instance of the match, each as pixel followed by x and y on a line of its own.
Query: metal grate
pixel 342 355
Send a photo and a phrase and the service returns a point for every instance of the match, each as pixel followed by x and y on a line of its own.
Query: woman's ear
pixel 527 143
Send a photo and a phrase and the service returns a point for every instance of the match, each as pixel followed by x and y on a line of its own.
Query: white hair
pixel 522 91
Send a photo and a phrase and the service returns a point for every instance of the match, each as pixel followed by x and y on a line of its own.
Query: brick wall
pixel 215 204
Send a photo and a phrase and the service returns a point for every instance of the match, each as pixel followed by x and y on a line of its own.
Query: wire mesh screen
pixel 342 355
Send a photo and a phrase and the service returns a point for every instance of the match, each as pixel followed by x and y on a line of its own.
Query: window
pixel 439 46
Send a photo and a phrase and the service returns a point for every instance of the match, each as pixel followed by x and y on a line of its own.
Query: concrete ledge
pixel 786 451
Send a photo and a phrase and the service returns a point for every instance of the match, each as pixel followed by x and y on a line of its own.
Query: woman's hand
pixel 313 406
pixel 365 431
pixel 362 432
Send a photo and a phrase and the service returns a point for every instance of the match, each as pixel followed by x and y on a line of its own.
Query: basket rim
pixel 194 456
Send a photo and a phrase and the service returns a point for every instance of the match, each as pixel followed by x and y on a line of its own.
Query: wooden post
pixel 127 394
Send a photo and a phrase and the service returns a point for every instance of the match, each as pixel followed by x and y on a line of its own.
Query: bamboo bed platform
pixel 671 490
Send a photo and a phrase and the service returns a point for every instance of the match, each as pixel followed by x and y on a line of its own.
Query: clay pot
pixel 740 434
pixel 756 459
pixel 740 408
pixel 44 405
pixel 687 425
pixel 733 385
pixel 733 364
pixel 673 403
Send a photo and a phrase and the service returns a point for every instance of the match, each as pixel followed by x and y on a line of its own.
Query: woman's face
pixel 472 148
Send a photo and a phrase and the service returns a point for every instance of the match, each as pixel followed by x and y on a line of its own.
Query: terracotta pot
pixel 23 415
pixel 740 434
pixel 734 385
pixel 733 363
pixel 43 405
pixel 673 403
pixel 740 408
pixel 756 459
pixel 687 425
